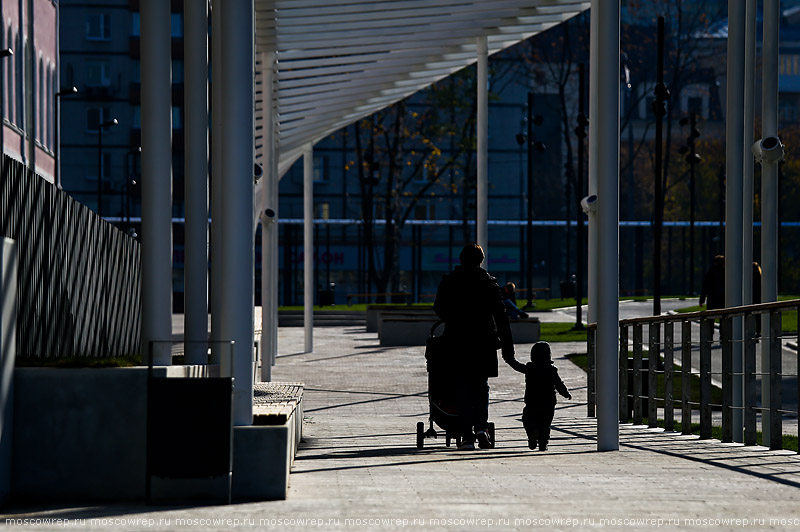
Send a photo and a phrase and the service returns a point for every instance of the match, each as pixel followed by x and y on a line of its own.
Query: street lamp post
pixel 532 146
pixel 661 94
pixel 63 92
pixel 580 132
pixel 100 127
pixel 693 159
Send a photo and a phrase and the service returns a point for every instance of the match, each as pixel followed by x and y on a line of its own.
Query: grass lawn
pixel 79 362
pixel 561 332
pixel 788 319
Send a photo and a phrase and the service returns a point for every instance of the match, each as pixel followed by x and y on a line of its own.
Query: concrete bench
pixel 263 453
pixel 394 314
pixel 374 311
pixel 526 331
pixel 399 331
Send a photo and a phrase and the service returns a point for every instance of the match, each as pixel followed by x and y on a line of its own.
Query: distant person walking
pixel 713 289
pixel 541 384
pixel 476 325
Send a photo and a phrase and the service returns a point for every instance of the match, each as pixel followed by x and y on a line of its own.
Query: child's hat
pixel 540 353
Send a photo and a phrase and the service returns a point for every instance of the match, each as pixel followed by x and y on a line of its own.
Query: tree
pixel 403 154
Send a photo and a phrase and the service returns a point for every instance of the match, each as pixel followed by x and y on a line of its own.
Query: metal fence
pixel 641 378
pixel 79 276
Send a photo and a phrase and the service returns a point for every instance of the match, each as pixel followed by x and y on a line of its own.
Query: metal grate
pixel 79 276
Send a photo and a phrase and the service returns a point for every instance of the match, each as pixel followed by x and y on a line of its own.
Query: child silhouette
pixel 541 384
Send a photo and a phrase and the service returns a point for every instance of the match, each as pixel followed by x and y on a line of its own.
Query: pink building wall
pixel 29 82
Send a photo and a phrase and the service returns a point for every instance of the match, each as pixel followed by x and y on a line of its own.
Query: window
pixel 177 71
pixel 787 112
pixel 694 104
pixel 177 118
pixel 92 175
pixel 98 27
pixel 789 65
pixel 323 211
pixel 41 103
pixel 98 73
pixel 95 116
pixel 320 169
pixel 176 24
pixel 425 211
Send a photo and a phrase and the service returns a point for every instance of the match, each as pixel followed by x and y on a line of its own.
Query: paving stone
pixel 359 469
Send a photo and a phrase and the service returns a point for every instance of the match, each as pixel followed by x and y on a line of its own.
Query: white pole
pixel 238 253
pixel 482 201
pixel 196 180
pixel 606 115
pixel 218 353
pixel 594 82
pixel 749 112
pixel 156 99
pixel 269 227
pixel 308 248
pixel 769 189
pixel 734 135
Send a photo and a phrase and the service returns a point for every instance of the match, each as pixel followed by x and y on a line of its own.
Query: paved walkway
pixel 359 469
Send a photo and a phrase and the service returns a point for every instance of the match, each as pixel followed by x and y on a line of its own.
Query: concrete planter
pixel 80 433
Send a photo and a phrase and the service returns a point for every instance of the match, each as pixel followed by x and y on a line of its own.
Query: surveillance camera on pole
pixel 768 150
pixel 589 204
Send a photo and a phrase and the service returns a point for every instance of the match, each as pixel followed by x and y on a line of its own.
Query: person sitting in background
pixel 510 301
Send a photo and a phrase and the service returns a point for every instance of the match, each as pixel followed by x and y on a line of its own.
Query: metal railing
pixel 639 376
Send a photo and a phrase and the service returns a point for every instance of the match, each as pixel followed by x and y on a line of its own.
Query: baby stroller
pixel 442 394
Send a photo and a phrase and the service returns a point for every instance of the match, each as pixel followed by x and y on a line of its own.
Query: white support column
pixel 195 99
pixel 769 188
pixel 156 180
pixel 215 301
pixel 269 226
pixel 308 248
pixel 593 259
pixel 238 253
pixel 482 201
pixel 747 179
pixel 606 143
pixel 734 137
pixel 274 181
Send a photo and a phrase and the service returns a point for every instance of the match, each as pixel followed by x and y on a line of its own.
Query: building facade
pixel 28 81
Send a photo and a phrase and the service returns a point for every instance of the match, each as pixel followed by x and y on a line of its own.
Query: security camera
pixel 258 172
pixel 768 150
pixel 589 204
pixel 269 213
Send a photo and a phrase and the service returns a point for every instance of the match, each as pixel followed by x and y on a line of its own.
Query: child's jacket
pixel 541 383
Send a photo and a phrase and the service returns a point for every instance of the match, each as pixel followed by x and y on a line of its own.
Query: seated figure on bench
pixel 510 301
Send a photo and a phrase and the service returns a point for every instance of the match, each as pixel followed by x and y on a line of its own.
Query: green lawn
pixel 677 388
pixel 788 319
pixel 561 332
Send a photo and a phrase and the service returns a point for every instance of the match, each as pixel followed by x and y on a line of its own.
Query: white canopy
pixel 336 61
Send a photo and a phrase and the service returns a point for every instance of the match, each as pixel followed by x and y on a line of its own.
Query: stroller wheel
pixel 420 435
pixel 490 433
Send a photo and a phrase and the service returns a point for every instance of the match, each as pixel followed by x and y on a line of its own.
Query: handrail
pixel 639 374
pixel 715 313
